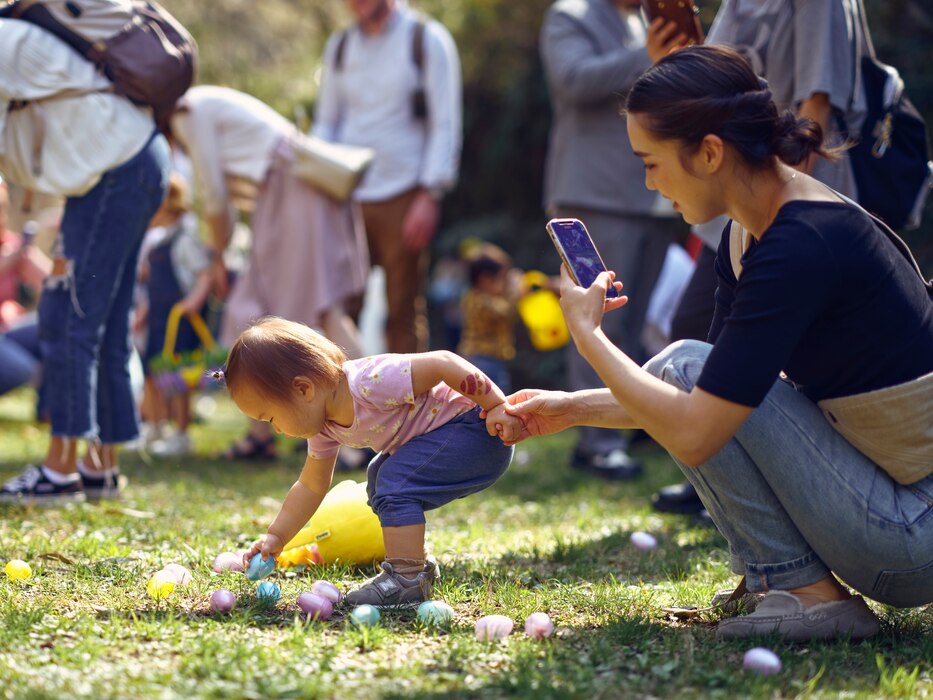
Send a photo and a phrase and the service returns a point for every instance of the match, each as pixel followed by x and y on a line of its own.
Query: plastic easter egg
pixel 538 625
pixel 259 568
pixel 161 585
pixel 17 570
pixel 315 606
pixel 268 592
pixel 643 541
pixel 435 613
pixel 493 627
pixel 181 575
pixel 222 601
pixel 762 661
pixel 365 616
pixel 227 561
pixel 328 590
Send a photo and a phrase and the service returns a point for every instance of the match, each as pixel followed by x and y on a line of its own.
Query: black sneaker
pixel 615 464
pixel 678 498
pixel 392 590
pixel 32 487
pixel 103 487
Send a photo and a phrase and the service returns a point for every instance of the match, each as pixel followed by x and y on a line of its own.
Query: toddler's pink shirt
pixel 387 413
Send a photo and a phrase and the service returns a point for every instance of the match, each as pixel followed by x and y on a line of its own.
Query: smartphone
pixel 576 249
pixel 682 12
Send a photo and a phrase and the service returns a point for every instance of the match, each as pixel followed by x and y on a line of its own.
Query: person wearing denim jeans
pixel 806 426
pixel 103 154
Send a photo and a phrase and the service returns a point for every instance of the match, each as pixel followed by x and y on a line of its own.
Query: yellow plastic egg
pixel 17 570
pixel 161 585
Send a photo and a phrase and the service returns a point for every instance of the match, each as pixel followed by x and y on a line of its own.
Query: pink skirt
pixel 309 253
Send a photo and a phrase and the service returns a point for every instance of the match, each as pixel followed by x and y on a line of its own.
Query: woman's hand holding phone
pixel 584 307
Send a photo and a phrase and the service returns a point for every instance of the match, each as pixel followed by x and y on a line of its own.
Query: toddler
pixel 420 412
pixel 489 311
pixel 175 270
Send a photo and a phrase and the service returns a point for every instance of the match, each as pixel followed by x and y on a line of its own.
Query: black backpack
pixel 145 52
pixel 890 158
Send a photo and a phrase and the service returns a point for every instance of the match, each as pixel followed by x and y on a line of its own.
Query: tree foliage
pixel 273 49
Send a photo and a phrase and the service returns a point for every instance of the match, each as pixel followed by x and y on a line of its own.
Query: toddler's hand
pixel 269 545
pixel 503 424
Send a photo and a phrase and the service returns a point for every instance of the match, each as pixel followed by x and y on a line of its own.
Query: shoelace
pixel 25 481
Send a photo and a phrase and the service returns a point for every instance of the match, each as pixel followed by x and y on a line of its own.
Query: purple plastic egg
pixel 315 606
pixel 538 625
pixel 762 661
pixel 222 601
pixel 228 561
pixel 327 590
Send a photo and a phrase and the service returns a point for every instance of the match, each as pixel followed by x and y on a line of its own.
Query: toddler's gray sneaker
pixel 392 590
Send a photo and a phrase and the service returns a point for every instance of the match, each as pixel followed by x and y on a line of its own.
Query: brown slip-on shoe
pixel 783 614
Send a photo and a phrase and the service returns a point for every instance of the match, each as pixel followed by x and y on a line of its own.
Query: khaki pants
pixel 405 270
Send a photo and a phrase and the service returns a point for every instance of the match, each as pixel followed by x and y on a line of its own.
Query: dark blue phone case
pixel 578 251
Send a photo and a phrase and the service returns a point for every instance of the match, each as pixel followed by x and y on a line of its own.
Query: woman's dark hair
pixel 702 90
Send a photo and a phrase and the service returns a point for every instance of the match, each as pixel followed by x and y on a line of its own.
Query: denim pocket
pixel 904 588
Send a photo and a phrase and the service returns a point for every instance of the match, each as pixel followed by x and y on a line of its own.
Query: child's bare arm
pixel 431 368
pixel 302 501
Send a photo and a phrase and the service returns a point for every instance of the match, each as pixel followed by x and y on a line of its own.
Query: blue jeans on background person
pixel 796 500
pixel 21 362
pixel 84 314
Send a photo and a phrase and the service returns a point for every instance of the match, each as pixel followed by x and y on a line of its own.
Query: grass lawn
pixel 543 539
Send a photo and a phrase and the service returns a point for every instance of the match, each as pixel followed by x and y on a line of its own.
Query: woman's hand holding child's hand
pixel 501 423
pixel 269 545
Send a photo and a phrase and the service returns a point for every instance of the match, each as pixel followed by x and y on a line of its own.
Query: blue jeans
pixel 84 313
pixel 18 364
pixel 796 501
pixel 433 469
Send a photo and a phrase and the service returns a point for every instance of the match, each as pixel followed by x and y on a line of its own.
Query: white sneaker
pixel 175 445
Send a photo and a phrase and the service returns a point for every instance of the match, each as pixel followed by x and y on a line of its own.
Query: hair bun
pixel 794 139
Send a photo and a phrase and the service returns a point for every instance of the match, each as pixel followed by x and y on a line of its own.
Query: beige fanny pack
pixel 892 426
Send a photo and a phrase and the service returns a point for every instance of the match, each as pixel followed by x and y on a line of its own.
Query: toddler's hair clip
pixel 217 375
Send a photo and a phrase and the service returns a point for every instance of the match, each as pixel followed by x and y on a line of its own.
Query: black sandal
pixel 251 449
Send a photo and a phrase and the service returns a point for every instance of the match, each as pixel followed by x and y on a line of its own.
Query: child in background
pixel 488 312
pixel 420 412
pixel 176 270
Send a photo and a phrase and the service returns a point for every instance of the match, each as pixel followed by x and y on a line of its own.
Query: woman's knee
pixel 680 363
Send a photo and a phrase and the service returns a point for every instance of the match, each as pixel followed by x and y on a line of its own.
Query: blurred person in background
pixel 392 83
pixel 308 255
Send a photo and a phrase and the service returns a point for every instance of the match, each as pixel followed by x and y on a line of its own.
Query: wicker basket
pixel 175 373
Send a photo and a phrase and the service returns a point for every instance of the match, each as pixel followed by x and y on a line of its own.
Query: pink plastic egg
pixel 492 627
pixel 315 606
pixel 538 625
pixel 228 561
pixel 327 590
pixel 181 575
pixel 222 601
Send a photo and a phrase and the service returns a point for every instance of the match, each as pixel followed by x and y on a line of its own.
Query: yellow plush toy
pixel 344 529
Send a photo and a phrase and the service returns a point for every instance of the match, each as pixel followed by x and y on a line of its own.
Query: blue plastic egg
pixel 268 592
pixel 259 567
pixel 365 616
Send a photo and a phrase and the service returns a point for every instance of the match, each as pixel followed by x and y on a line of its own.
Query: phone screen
pixel 576 248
